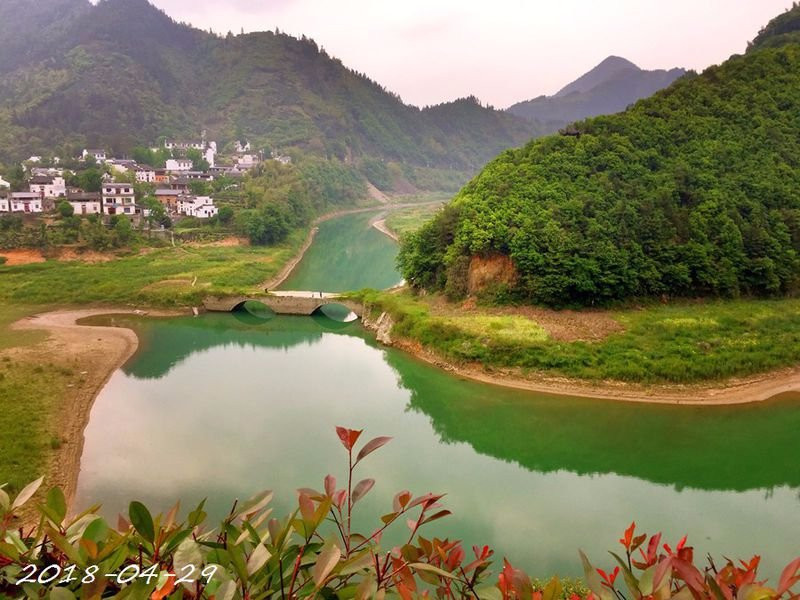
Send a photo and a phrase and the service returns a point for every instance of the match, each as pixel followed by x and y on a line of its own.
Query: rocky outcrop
pixel 382 326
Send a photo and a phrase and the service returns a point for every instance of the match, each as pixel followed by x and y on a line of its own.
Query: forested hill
pixel 122 73
pixel 609 88
pixel 693 192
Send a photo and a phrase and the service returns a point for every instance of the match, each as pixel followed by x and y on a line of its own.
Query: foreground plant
pixel 314 552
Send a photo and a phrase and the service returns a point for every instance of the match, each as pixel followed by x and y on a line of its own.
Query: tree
pixel 225 215
pixel 123 231
pixel 65 209
pixel 199 163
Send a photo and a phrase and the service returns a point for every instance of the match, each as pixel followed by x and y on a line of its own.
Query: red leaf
pixel 789 577
pixel 400 500
pixel 330 485
pixel 361 489
pixel 627 539
pixel 349 437
pixel 306 508
pixel 371 446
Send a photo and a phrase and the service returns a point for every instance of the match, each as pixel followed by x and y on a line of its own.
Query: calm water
pixel 347 254
pixel 225 405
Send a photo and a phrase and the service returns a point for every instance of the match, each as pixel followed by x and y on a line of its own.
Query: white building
pixel 247 161
pixel 47 186
pixel 28 202
pixel 85 203
pixel 241 148
pixel 118 199
pixel 5 205
pixel 211 153
pixel 145 174
pixel 4 184
pixel 201 207
pixel 179 164
pixel 98 155
pixel 184 145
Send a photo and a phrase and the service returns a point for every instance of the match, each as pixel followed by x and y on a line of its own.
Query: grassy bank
pixel 407 220
pixel 164 277
pixel 675 344
pixel 30 395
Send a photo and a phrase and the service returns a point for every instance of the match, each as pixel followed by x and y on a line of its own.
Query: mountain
pixel 692 192
pixel 122 73
pixel 609 88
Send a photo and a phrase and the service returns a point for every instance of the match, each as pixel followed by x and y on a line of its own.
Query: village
pixel 126 184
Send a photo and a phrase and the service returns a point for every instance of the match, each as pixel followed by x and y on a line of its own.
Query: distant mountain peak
pixel 607 69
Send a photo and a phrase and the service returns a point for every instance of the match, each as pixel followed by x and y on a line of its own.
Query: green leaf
pixel 57 504
pixel 27 492
pixel 431 569
pixel 61 593
pixel 5 501
pixel 326 562
pixel 487 592
pixel 142 521
pixel 553 590
pixel 630 579
pixel 593 579
pixel 258 558
pixel 96 531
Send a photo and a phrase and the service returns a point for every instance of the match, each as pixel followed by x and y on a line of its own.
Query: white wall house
pixel 49 187
pixel 179 164
pixel 145 174
pixel 27 202
pixel 183 145
pixel 118 199
pixel 97 154
pixel 5 205
pixel 85 203
pixel 4 184
pixel 247 161
pixel 201 207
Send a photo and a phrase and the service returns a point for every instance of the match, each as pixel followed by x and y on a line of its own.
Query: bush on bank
pixel 314 552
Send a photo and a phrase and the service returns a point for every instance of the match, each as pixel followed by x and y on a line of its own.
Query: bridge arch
pixel 336 311
pixel 253 312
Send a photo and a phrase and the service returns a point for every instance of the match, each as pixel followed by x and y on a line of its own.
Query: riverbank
pixel 538 353
pixel 87 356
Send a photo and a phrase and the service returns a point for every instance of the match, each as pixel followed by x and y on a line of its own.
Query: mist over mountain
pixel 609 88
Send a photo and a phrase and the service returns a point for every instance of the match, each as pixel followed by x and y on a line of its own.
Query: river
pixel 221 406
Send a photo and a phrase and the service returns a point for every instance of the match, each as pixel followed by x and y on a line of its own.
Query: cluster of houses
pixel 47 186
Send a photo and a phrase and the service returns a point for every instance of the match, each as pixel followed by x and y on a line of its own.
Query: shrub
pixel 315 553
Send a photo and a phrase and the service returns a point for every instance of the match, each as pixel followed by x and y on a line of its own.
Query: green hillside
pixel 693 192
pixel 122 73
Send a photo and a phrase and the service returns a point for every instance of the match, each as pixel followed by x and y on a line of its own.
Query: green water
pixel 347 254
pixel 224 405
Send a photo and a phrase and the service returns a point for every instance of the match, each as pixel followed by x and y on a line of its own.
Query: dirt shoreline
pixel 738 391
pixel 99 352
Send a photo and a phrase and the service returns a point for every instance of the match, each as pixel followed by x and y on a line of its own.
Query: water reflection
pixel 213 407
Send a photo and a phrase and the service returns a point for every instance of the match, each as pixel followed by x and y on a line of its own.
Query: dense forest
pixel 122 73
pixel 693 192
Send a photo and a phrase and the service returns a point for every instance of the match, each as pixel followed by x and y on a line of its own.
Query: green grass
pixel 682 343
pixel 30 394
pixel 408 220
pixel 162 277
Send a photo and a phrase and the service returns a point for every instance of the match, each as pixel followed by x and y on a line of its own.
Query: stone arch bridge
pixel 284 303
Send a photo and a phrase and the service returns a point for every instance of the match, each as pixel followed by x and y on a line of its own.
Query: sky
pixel 503 51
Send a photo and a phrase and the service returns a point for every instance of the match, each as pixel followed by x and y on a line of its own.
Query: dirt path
pixel 98 352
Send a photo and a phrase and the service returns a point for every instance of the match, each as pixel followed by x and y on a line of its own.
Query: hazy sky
pixel 502 51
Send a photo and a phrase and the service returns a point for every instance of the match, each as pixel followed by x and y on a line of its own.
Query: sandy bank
pixel 98 352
